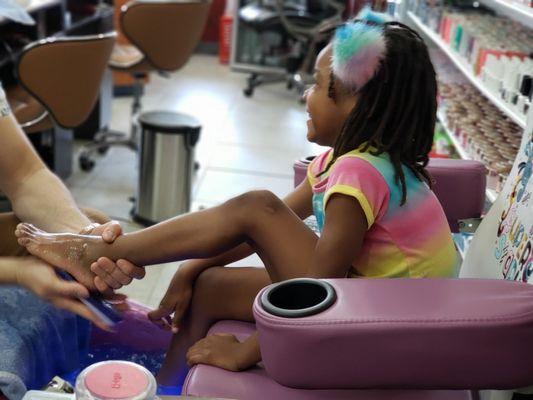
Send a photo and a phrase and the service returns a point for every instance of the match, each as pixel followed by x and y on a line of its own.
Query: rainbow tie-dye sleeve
pixel 355 177
pixel 318 165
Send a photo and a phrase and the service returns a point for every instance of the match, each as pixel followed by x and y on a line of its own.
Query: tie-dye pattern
pixel 413 240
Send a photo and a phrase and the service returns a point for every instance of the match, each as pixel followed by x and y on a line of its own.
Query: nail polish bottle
pixel 526 93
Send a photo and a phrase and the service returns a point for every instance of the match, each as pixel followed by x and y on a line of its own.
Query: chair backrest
pixel 65 73
pixel 166 32
pixel 458 184
pixel 302 30
pixel 460 187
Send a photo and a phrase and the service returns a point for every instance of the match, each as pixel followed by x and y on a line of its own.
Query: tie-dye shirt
pixel 413 240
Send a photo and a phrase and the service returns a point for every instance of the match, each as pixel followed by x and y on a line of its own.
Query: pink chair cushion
pixel 405 333
pixel 255 384
pixel 460 187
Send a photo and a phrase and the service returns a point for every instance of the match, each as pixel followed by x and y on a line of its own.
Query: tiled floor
pixel 246 143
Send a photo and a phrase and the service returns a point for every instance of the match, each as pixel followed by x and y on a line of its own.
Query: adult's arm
pixel 36 194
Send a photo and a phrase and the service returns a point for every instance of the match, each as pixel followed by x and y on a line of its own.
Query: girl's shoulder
pixel 381 162
pixel 348 162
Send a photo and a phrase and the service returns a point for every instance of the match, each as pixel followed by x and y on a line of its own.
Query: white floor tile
pixel 219 185
pixel 254 159
pixel 113 202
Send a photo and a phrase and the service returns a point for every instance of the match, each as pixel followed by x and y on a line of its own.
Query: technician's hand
pixel 109 231
pixel 176 300
pixel 111 275
pixel 41 279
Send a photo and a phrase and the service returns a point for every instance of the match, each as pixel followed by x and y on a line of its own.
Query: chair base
pixel 105 139
pixel 101 144
pixel 296 81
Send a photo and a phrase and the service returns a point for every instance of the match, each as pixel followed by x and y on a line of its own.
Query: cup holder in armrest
pixel 300 297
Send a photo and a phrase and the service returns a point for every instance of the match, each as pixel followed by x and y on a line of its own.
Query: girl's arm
pixel 344 229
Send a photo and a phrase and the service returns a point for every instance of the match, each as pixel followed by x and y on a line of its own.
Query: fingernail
pixel 108 235
pixel 175 329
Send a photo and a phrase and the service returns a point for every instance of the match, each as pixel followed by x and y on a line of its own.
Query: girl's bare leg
pixel 286 247
pixel 219 293
pixel 259 218
pixel 9 221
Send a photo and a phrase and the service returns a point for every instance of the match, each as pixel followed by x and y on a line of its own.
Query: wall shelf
pixel 467 71
pixel 516 12
pixel 490 193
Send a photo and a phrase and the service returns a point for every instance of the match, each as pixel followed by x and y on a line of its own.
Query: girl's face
pixel 326 115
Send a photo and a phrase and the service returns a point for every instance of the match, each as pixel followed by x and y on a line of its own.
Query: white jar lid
pixel 115 380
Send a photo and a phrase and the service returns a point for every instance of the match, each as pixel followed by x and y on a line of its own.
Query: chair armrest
pixel 398 334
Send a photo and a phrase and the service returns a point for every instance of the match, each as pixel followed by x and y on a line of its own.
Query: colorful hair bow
pixel 358 49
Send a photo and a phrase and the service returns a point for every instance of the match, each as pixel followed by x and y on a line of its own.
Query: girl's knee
pixel 208 279
pixel 259 201
pixel 207 293
pixel 206 286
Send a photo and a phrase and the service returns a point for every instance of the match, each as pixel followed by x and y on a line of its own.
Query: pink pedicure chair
pixel 403 339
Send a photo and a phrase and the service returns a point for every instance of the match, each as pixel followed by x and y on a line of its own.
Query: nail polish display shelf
pixel 491 194
pixel 512 10
pixel 467 70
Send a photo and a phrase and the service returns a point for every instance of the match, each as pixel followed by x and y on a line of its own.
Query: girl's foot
pixel 70 252
pixel 224 351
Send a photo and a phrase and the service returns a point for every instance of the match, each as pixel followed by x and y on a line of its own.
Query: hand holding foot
pixel 224 351
pixel 112 275
pixel 70 252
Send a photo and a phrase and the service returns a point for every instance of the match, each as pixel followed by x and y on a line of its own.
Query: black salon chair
pixel 304 25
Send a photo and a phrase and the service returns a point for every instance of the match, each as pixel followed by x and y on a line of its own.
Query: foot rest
pixel 397 333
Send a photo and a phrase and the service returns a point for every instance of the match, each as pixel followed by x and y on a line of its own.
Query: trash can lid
pixel 169 122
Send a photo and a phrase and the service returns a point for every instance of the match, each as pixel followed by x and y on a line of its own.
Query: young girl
pixel 374 103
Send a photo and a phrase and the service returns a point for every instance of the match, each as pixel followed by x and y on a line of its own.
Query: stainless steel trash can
pixel 166 165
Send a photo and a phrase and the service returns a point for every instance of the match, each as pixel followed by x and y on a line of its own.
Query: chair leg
pixel 252 82
pixel 255 80
pixel 86 158
pixel 107 138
